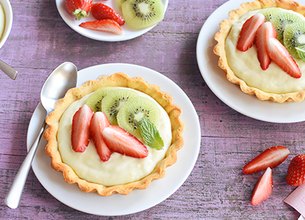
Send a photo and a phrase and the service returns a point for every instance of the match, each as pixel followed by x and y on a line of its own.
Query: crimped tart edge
pixel 122 80
pixel 219 49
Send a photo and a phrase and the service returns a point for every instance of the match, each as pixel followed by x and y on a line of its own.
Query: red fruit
pixel 98 122
pixel 248 32
pixel 101 11
pixel 80 128
pixel 264 32
pixel 120 141
pixel 263 188
pixel 271 157
pixel 105 25
pixel 78 8
pixel 279 54
pixel 296 171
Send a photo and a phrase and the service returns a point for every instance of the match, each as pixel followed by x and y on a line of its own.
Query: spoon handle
pixel 13 197
pixel 8 70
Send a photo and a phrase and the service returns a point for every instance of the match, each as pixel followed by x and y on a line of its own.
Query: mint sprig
pixel 150 134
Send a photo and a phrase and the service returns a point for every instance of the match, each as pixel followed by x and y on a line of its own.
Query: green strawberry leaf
pixel 301 52
pixel 150 134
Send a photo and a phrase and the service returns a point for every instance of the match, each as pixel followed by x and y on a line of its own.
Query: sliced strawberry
pixel 271 157
pixel 78 8
pixel 98 122
pixel 120 141
pixel 105 25
pixel 279 55
pixel 296 171
pixel 264 32
pixel 248 32
pixel 101 11
pixel 263 188
pixel 80 128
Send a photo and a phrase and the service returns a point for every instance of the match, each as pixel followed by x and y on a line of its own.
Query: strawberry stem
pixel 79 14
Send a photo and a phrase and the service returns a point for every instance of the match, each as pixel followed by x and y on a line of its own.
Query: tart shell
pixel 219 49
pixel 114 80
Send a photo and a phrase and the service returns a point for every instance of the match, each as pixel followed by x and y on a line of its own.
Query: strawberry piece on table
pixel 263 188
pixel 78 8
pixel 120 141
pixel 101 11
pixel 80 128
pixel 271 157
pixel 99 122
pixel 279 55
pixel 263 34
pixel 105 25
pixel 248 32
pixel 296 171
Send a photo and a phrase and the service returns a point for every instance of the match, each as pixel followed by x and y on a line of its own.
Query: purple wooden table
pixel 40 41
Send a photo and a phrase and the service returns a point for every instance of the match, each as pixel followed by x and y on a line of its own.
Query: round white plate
pixel 137 200
pixel 98 35
pixel 231 94
pixel 8 20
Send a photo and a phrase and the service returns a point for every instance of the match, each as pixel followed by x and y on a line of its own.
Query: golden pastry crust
pixel 121 80
pixel 219 49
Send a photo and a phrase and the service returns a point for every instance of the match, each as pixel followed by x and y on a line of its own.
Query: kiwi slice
pixel 95 99
pixel 301 52
pixel 114 101
pixel 119 3
pixel 133 112
pixel 139 14
pixel 294 36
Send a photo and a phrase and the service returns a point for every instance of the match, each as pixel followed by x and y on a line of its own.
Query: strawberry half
pixel 120 141
pixel 80 128
pixel 78 8
pixel 98 122
pixel 279 55
pixel 296 171
pixel 263 188
pixel 271 157
pixel 248 32
pixel 263 34
pixel 101 11
pixel 105 25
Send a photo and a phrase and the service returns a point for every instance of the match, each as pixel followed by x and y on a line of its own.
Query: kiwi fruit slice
pixel 134 110
pixel 95 99
pixel 301 52
pixel 113 102
pixel 294 36
pixel 119 3
pixel 139 14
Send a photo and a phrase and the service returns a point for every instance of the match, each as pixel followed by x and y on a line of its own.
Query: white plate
pixel 98 35
pixel 231 94
pixel 9 20
pixel 137 200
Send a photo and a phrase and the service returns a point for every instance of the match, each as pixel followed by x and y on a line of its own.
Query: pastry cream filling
pixel 246 66
pixel 119 169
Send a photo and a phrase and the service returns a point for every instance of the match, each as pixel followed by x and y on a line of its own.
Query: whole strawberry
pixel 296 171
pixel 101 11
pixel 79 8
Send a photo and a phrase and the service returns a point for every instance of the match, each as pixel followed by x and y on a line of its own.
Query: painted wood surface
pixel 216 189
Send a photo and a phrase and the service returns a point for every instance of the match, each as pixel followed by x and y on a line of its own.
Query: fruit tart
pixel 261 48
pixel 114 134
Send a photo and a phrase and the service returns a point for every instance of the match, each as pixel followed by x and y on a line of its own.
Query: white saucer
pixel 98 35
pixel 231 94
pixel 137 200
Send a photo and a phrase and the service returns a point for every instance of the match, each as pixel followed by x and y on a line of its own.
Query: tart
pixel 261 49
pixel 114 134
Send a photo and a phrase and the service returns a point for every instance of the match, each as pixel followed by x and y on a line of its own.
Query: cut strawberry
pixel 80 128
pixel 101 11
pixel 78 8
pixel 98 122
pixel 279 55
pixel 105 25
pixel 120 141
pixel 296 171
pixel 264 32
pixel 263 188
pixel 248 32
pixel 271 157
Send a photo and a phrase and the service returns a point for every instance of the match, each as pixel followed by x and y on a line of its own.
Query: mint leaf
pixel 301 52
pixel 150 134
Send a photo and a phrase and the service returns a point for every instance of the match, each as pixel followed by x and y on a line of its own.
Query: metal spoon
pixel 8 70
pixel 60 80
